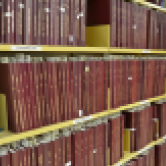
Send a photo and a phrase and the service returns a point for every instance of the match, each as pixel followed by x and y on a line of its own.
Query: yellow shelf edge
pixel 39 131
pixel 69 49
pixel 137 153
pixel 150 5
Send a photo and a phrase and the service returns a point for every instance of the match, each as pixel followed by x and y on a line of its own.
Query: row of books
pixel 131 25
pixel 86 147
pixel 43 22
pixel 145 125
pixel 40 93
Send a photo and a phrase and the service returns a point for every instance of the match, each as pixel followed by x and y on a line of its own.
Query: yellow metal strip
pixel 150 5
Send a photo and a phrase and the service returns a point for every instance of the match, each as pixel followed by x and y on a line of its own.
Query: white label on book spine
pixel 146 51
pixel 26 48
pixel 81 120
pixel 144 102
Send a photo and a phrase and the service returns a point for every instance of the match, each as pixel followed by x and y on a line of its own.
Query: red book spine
pixel 135 25
pixel 39 21
pixel 34 156
pixel 51 92
pixel 7 20
pixel 110 67
pixel 129 25
pixel 46 6
pixel 76 23
pixel 71 22
pixel 124 24
pixel 52 23
pixel 27 36
pixel 32 73
pixel 57 22
pixel 46 93
pixel 118 12
pixel 113 16
pixel 40 152
pixel 5 160
pixel 82 22
pixel 35 25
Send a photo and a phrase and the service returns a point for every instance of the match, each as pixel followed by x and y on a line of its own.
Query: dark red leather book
pixel 32 94
pixel 118 22
pixel 158 155
pixel 112 142
pixel 76 23
pixel 83 7
pixel 124 24
pixel 40 152
pixel 18 22
pixel 46 22
pixel 34 156
pixel 39 83
pixel 50 90
pixel 46 92
pixel 2 18
pixel 7 21
pixel 57 22
pixel 27 35
pixel 39 21
pixel 34 22
pixel 135 25
pixel 66 23
pixel 5 160
pixel 129 25
pixel 71 22
pixel 52 22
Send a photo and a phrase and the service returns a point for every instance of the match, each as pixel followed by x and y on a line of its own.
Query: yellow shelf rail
pixel 8 137
pixel 150 5
pixel 134 155
pixel 68 49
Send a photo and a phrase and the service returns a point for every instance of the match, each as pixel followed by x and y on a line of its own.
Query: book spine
pixel 39 22
pixel 27 22
pixel 35 25
pixel 124 24
pixel 113 35
pixel 34 156
pixel 7 20
pixel 57 22
pixel 40 152
pixel 52 22
pixel 119 3
pixel 76 23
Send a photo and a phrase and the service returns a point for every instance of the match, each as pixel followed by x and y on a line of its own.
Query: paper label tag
pixel 81 120
pixel 21 6
pixel 8 14
pixel 62 9
pixel 130 78
pixel 134 26
pixel 26 48
pixel 80 112
pixel 68 164
pixel 47 10
pixel 95 151
pixel 144 102
pixel 119 164
pixel 146 51
pixel 164 137
pixel 71 38
pixel 143 150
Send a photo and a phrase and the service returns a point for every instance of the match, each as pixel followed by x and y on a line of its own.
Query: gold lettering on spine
pixel 41 159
